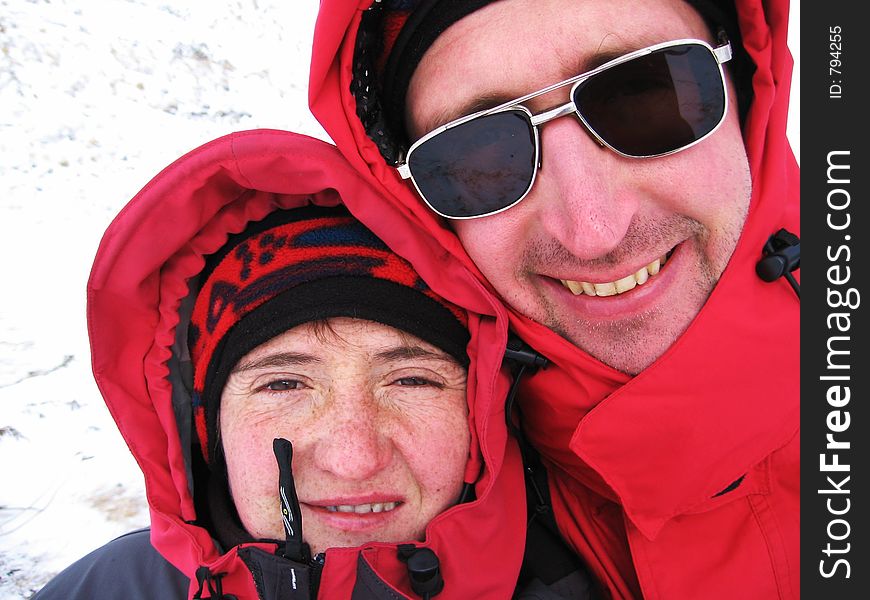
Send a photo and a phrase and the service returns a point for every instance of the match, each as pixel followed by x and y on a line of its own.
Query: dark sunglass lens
pixel 477 167
pixel 656 103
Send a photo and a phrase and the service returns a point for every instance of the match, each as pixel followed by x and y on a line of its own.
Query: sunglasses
pixel 647 103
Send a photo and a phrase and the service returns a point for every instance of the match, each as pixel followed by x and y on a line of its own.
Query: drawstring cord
pixel 526 359
pixel 781 255
pixel 213 582
pixel 295 547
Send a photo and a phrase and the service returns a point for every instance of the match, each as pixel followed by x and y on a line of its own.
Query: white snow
pixel 96 97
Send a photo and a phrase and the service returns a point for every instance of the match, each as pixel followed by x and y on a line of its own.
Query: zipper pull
pixel 295 547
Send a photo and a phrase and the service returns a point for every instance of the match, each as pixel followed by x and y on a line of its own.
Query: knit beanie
pixel 294 267
pixel 395 34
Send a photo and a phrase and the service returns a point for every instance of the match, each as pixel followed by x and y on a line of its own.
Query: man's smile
pixel 619 286
pixel 618 304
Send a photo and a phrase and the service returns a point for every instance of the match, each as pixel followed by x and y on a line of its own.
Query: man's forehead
pixel 492 56
pixel 488 94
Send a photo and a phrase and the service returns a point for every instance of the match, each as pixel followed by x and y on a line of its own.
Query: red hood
pixel 137 311
pixel 724 395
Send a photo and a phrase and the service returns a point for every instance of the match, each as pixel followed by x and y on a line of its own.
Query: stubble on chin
pixel 633 343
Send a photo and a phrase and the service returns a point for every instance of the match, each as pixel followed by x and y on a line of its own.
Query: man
pixel 626 243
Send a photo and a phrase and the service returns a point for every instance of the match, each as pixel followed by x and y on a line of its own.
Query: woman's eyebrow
pixel 405 352
pixel 280 359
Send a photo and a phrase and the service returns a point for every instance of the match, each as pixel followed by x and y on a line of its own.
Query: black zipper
pixel 316 564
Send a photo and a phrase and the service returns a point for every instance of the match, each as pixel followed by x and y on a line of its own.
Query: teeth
pixel 626 283
pixel 620 286
pixel 574 286
pixel 641 276
pixel 605 289
pixel 362 509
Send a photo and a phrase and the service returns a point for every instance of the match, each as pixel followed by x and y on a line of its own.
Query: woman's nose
pixel 355 443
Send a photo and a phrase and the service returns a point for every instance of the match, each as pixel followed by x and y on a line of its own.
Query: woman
pixel 309 332
pixel 404 488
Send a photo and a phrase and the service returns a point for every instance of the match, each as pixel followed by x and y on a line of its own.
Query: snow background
pixel 96 97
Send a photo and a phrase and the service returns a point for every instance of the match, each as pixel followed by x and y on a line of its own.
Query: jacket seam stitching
pixel 757 503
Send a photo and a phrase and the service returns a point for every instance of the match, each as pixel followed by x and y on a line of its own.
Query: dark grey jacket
pixel 130 568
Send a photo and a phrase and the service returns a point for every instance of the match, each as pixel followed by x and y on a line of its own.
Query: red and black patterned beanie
pixel 294 267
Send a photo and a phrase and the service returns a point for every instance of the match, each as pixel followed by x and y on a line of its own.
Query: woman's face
pixel 378 422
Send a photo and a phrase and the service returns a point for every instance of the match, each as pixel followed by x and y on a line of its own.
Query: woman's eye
pixel 283 385
pixel 414 381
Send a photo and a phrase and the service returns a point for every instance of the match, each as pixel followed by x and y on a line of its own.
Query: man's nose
pixel 353 441
pixel 583 196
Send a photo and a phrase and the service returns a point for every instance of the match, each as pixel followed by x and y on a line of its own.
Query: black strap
pixel 295 547
pixel 522 358
pixel 547 557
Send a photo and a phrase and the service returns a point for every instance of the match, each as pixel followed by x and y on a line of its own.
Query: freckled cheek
pixel 249 458
pixel 247 441
pixel 437 454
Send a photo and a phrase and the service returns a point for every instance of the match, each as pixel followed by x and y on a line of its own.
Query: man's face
pixel 593 218
pixel 378 422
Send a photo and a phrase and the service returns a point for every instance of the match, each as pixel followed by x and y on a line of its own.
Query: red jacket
pixel 683 481
pixel 137 313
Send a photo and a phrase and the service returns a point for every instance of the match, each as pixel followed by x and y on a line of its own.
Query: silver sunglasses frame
pixel 721 55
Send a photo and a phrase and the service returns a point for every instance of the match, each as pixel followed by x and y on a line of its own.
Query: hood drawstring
pixel 291 572
pixel 523 358
pixel 547 558
pixel 295 548
pixel 211 581
pixel 782 255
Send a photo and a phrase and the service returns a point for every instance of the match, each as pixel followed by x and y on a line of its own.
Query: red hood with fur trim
pixel 139 303
pixel 683 481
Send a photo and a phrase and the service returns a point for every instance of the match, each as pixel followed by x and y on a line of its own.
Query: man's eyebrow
pixel 491 100
pixel 463 109
pixel 405 352
pixel 593 62
pixel 613 46
pixel 280 359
